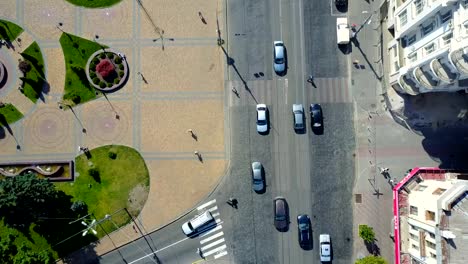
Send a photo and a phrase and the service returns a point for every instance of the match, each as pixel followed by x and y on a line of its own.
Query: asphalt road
pixel 315 173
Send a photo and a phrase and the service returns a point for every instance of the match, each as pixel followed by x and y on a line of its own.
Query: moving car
pixel 342 31
pixel 281 212
pixel 316 118
pixel 258 180
pixel 304 230
pixel 262 119
pixel 298 115
pixel 279 57
pixel 197 222
pixel 325 248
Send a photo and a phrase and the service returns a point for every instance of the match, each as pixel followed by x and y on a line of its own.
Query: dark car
pixel 303 227
pixel 281 212
pixel 340 3
pixel 316 118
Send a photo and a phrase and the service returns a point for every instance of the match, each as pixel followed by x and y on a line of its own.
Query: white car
pixel 325 248
pixel 279 58
pixel 262 119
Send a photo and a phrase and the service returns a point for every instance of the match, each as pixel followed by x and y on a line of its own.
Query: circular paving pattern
pixel 104 126
pixel 49 127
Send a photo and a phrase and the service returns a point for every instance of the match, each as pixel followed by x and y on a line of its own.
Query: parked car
pixel 304 230
pixel 325 248
pixel 262 118
pixel 279 58
pixel 197 222
pixel 316 118
pixel 281 213
pixel 298 115
pixel 258 179
pixel 340 3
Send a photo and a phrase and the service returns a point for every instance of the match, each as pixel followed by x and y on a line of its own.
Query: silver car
pixel 325 248
pixel 298 115
pixel 262 119
pixel 258 180
pixel 279 57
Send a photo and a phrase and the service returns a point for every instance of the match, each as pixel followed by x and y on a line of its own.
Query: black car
pixel 341 3
pixel 304 231
pixel 316 118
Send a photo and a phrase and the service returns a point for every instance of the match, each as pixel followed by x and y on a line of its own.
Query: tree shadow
pixel 4 123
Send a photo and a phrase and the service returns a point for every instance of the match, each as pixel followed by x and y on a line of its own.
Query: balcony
pixel 424 78
pixel 442 71
pixel 408 85
pixel 460 59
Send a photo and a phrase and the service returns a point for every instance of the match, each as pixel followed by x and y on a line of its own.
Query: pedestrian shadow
pixel 356 43
pixel 231 62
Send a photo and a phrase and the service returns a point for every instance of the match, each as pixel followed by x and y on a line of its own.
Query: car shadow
pixel 205 229
pixel 345 48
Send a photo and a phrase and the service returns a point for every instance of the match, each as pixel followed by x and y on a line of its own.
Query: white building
pixel 429 49
pixel 434 219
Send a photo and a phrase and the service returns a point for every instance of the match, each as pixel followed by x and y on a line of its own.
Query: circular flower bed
pixel 107 70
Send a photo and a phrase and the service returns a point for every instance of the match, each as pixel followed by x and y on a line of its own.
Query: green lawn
pixel 76 51
pixel 9 30
pixel 9 114
pixel 118 177
pixel 35 79
pixel 94 3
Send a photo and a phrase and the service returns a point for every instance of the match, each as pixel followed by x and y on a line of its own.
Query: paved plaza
pixel 165 42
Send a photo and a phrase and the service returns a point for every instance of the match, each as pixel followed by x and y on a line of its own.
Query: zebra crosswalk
pixel 212 241
pixel 324 90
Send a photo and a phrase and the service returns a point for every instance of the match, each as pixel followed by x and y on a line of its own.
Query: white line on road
pixel 212 230
pixel 286 91
pixel 159 250
pixel 214 208
pixel 211 237
pixel 215 214
pixel 199 208
pixel 213 244
pixel 216 250
pixel 224 253
pixel 218 220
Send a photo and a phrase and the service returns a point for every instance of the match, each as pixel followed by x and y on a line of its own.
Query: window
pixel 430 215
pixel 413 210
pixel 419 5
pixel 421 188
pixel 427 29
pixel 446 17
pixel 411 40
pixel 430 48
pixel 414 246
pixel 414 237
pixel 465 3
pixel 433 255
pixel 432 235
pixel 430 244
pixel 403 18
pixel 439 191
pixel 414 227
pixel 413 57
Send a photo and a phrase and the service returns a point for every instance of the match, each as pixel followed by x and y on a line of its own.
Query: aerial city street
pixel 247 131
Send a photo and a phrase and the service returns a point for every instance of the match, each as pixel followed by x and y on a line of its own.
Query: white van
pixel 198 221
pixel 342 31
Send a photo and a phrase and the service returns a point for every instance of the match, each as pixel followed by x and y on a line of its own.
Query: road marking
pixel 211 237
pixel 215 214
pixel 199 261
pixel 285 91
pixel 159 250
pixel 213 244
pixel 224 253
pixel 199 208
pixel 218 221
pixel 212 231
pixel 216 250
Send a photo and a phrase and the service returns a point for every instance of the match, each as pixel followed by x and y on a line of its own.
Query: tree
pixel 24 66
pixel 25 198
pixel 371 259
pixel 26 256
pixel 367 233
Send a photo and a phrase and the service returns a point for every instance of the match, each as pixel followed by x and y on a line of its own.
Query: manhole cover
pixel 358 198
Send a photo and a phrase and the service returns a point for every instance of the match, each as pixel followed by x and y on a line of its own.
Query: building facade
pixel 432 217
pixel 429 49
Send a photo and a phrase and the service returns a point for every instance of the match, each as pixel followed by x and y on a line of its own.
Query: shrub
pixel 95 60
pixel 78 206
pixel 116 80
pixel 118 60
pixel 102 84
pixel 75 45
pixel 102 56
pixel 109 85
pixel 92 75
pixel 112 155
pixel 110 55
pixel 366 233
pixel 121 67
pixel 121 74
pixel 96 80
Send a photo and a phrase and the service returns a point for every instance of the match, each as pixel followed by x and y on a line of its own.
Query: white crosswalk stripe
pixel 212 241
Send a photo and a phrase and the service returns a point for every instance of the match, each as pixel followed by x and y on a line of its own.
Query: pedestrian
pixel 310 79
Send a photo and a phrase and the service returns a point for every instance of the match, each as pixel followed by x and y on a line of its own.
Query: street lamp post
pixel 62 104
pixel 143 235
